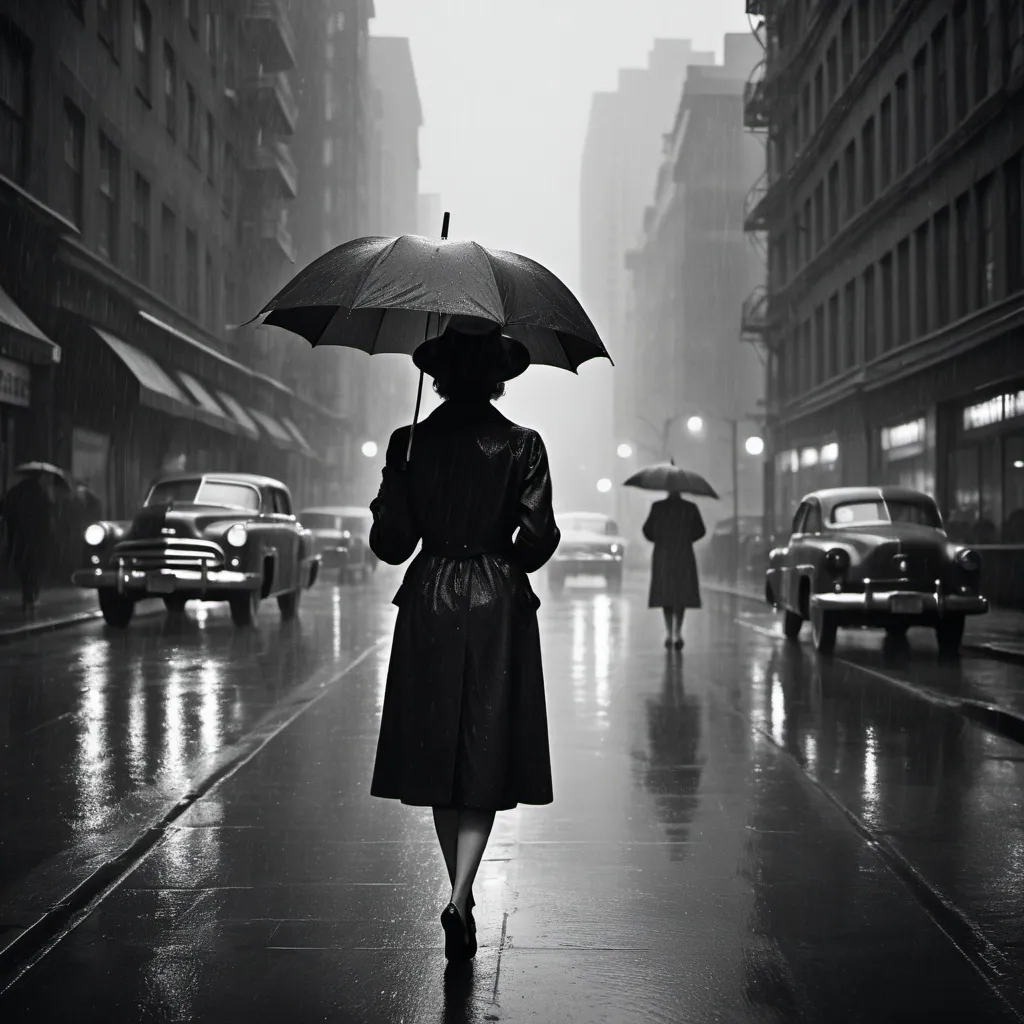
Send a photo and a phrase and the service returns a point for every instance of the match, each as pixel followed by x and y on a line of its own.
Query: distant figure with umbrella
pixel 674 525
pixel 463 726
pixel 28 512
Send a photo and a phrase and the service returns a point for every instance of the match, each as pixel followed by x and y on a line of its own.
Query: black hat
pixel 492 357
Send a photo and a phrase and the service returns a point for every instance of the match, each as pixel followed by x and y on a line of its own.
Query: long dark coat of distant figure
pixel 674 526
pixel 464 722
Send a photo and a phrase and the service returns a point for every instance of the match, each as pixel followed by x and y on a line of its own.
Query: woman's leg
pixel 667 613
pixel 677 623
pixel 474 831
pixel 446 824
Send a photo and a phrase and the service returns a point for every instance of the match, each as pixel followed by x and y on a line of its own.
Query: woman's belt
pixel 459 551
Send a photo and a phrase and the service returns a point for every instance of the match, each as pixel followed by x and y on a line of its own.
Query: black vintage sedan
pixel 213 537
pixel 873 557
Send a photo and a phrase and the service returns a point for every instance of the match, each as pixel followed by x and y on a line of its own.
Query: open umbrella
pixel 382 295
pixel 47 468
pixel 667 476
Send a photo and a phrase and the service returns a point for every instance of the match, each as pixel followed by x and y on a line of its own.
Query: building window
pixel 960 62
pixel 168 252
pixel 140 228
pixel 921 259
pixel 819 95
pixel 920 105
pixel 1014 226
pixel 887 302
pixel 14 68
pixel 807 358
pixel 1013 44
pixel 819 216
pixel 962 273
pixel 986 263
pixel 833 355
pixel 885 143
pixel 850 170
pixel 940 84
pixel 904 292
pixel 902 126
pixel 942 260
pixel 143 50
pixel 806 248
pixel 846 38
pixel 191 273
pixel 867 150
pixel 211 292
pixel 870 314
pixel 212 39
pixel 170 91
pixel 211 148
pixel 863 29
pixel 109 178
pixel 981 44
pixel 230 179
pixel 108 26
pixel 850 325
pixel 833 200
pixel 832 65
pixel 191 122
pixel 805 112
pixel 794 131
pixel 192 17
pixel 881 17
pixel 74 160
pixel 818 361
pixel 784 257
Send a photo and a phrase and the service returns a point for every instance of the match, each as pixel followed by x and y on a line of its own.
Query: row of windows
pixel 947 268
pixel 913 118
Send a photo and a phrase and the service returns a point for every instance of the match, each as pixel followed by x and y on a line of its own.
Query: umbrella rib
pixel 374 264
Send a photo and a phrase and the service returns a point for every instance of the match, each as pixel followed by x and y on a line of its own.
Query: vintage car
pixel 875 557
pixel 341 537
pixel 203 536
pixel 590 546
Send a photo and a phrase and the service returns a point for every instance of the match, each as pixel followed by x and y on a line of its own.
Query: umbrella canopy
pixel 391 294
pixel 28 468
pixel 667 476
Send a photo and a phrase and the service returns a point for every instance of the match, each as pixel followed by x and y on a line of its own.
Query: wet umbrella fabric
pixel 46 468
pixel 389 295
pixel 667 476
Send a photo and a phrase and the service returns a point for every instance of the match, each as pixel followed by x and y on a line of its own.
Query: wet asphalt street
pixel 742 832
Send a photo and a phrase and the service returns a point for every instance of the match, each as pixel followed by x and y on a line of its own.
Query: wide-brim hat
pixel 492 357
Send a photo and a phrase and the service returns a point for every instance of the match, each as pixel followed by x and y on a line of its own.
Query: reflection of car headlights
pixel 236 536
pixel 970 561
pixel 614 549
pixel 345 534
pixel 95 534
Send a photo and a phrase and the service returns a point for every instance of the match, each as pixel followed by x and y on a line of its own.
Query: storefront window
pixel 974 515
pixel 799 471
pixel 89 465
pixel 905 454
pixel 1013 493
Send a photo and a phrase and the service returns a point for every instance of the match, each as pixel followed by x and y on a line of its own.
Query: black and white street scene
pixel 512 512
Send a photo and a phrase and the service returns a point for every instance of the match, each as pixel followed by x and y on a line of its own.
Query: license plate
pixel 160 584
pixel 906 605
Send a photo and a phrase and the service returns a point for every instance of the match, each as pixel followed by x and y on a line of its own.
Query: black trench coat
pixel 464 722
pixel 674 525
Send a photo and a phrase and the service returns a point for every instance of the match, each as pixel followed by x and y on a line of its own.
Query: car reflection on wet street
pixel 741 831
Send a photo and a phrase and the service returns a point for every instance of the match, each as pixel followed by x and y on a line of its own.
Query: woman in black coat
pixel 674 525
pixel 464 727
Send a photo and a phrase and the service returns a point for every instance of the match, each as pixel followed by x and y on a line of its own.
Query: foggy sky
pixel 506 91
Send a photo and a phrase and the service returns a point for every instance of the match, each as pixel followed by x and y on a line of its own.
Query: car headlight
pixel 236 535
pixel 837 560
pixel 346 535
pixel 968 560
pixel 614 549
pixel 95 535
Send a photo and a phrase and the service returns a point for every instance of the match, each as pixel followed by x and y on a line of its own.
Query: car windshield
pixel 320 521
pixel 583 524
pixel 355 524
pixel 863 513
pixel 221 493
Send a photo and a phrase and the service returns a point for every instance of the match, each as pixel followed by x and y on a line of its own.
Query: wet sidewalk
pixel 687 871
pixel 57 608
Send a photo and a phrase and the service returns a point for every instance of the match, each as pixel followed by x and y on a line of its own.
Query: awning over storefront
pixel 241 417
pixel 20 338
pixel 277 433
pixel 158 390
pixel 206 401
pixel 307 448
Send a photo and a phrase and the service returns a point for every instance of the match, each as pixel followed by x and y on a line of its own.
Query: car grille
pixel 179 553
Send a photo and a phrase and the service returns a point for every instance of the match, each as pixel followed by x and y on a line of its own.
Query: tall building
pixel 893 211
pixel 147 183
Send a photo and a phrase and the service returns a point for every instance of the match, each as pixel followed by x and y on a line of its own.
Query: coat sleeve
pixel 395 532
pixel 650 527
pixel 538 534
pixel 698 525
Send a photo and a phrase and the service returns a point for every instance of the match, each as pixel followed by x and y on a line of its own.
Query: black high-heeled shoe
pixel 470 920
pixel 459 944
pixel 679 644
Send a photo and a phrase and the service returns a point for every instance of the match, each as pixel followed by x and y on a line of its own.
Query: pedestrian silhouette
pixel 27 510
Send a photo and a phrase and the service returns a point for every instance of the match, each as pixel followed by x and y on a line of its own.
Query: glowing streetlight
pixel 369 449
pixel 624 451
pixel 604 485
pixel 754 445
pixel 695 425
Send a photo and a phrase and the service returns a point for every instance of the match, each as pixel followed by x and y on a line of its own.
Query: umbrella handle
pixel 444 224
pixel 415 418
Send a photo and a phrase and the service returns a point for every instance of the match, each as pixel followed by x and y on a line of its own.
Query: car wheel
pixel 244 607
pixel 950 633
pixel 791 625
pixel 614 579
pixel 116 608
pixel 175 604
pixel 823 630
pixel 289 603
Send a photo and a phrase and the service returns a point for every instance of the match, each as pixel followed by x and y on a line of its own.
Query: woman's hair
pixel 469 372
pixel 463 388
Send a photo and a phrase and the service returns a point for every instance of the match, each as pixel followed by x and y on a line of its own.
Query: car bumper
pixel 167 581
pixel 909 603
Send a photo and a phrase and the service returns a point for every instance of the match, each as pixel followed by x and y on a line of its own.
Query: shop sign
pixel 903 435
pixel 806 458
pixel 15 383
pixel 994 410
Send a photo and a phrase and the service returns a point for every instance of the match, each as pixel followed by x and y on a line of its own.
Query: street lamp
pixel 604 485
pixel 754 445
pixel 369 449
pixel 695 425
pixel 624 451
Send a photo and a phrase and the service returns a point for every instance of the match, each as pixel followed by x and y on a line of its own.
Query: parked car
pixel 875 557
pixel 590 546
pixel 341 537
pixel 716 557
pixel 211 537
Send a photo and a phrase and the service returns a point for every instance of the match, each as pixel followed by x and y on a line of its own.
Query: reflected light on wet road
pixel 137 725
pixel 209 709
pixel 579 652
pixel 94 755
pixel 602 609
pixel 778 712
pixel 336 624
pixel 173 767
pixel 871 794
